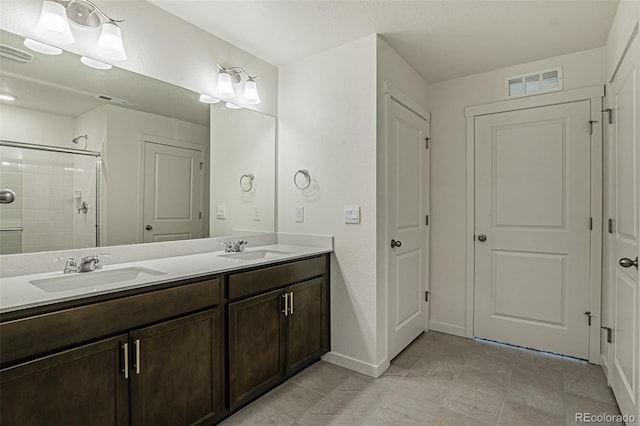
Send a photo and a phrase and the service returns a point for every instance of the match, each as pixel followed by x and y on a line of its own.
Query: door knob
pixel 625 262
pixel 395 243
pixel 482 238
pixel 148 227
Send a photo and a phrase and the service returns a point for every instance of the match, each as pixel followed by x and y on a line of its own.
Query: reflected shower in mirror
pixel 155 144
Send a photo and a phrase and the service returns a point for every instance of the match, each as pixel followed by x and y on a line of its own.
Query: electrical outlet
pixel 300 214
pixel 257 215
pixel 221 212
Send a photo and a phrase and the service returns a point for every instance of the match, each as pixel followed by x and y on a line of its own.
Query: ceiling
pixel 441 39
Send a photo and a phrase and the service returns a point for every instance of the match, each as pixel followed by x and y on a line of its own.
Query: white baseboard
pixel 443 327
pixel 604 363
pixel 365 368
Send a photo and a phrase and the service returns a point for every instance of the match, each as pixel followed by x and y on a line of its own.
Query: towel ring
pixel 243 179
pixel 307 176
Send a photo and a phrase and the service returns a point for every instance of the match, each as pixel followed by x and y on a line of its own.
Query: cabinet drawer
pixel 260 280
pixel 24 338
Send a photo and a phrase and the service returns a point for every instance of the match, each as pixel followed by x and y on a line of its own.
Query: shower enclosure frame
pixel 96 154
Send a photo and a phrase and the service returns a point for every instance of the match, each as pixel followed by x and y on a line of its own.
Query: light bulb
pixel 5 97
pixel 53 24
pixel 225 86
pixel 251 95
pixel 110 42
pixel 39 47
pixel 95 64
pixel 206 99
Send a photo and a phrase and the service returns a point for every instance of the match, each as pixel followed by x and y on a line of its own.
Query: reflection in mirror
pixel 153 141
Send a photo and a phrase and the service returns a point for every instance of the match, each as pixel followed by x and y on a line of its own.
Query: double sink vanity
pixel 182 340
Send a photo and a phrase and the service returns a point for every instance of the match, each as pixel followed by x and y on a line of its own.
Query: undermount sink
pixel 92 279
pixel 255 254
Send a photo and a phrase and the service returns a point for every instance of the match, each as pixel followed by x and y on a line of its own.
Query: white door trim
pixel 593 94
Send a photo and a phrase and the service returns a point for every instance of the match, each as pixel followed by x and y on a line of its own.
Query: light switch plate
pixel 221 212
pixel 299 214
pixel 351 214
pixel 257 215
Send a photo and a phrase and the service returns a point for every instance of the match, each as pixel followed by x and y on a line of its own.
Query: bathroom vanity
pixel 175 351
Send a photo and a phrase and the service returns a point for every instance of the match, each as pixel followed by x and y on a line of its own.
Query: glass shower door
pixel 10 200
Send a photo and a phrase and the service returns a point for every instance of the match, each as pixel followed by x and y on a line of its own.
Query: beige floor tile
pixel 545 392
pixel 432 388
pixel 495 349
pixel 359 394
pixel 321 377
pixel 331 412
pixel 446 368
pixel 290 399
pixel 446 417
pixel 588 380
pixel 580 404
pixel 477 394
pixel 258 414
pixel 516 414
pixel 407 409
pixel 500 367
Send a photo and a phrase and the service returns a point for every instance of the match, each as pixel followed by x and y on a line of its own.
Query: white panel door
pixel 623 371
pixel 532 228
pixel 408 200
pixel 172 193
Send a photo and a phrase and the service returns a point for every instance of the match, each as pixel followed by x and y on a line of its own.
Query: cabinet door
pixel 256 345
pixel 81 386
pixel 308 323
pixel 176 371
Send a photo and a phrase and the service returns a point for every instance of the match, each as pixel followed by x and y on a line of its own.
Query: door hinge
pixel 426 143
pixel 610 226
pixel 588 314
pixel 201 164
pixel 591 126
pixel 591 223
pixel 426 220
pixel 610 112
pixel 199 215
pixel 609 334
pixel 426 296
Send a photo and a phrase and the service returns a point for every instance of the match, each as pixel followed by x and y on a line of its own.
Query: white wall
pixel 158 45
pixel 327 124
pixel 43 128
pixel 447 101
pixel 395 70
pixel 242 142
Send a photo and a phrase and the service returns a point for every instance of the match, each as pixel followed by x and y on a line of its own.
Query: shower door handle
pixel 7 196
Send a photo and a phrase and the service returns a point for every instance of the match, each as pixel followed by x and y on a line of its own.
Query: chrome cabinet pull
pixel 625 262
pixel 286 304
pixel 125 369
pixel 137 345
pixel 291 301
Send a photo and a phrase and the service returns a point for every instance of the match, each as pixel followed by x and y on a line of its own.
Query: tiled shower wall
pixel 45 183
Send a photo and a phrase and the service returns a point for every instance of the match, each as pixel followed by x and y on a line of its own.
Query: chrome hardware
pixel 395 243
pixel 137 365
pixel 609 334
pixel 625 262
pixel 291 302
pixel 591 123
pixel 307 176
pixel 234 247
pixel 7 196
pixel 70 266
pixel 148 227
pixel 125 369
pixel 610 226
pixel 588 314
pixel 610 112
pixel 91 263
pixel 286 304
pixel 84 208
pixel 482 238
pixel 14 229
pixel 248 178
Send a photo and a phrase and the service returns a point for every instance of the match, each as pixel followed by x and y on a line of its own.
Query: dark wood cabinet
pixel 176 371
pixel 275 334
pixel 81 386
pixel 256 346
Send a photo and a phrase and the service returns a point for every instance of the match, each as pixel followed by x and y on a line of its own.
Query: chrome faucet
pixel 70 265
pixel 234 247
pixel 91 263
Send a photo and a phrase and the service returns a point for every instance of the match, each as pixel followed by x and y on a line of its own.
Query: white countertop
pixel 17 293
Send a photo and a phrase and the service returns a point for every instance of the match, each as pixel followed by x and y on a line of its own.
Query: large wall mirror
pixel 92 157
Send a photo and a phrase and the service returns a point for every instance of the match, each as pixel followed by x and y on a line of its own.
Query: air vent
pixel 112 99
pixel 15 54
pixel 534 83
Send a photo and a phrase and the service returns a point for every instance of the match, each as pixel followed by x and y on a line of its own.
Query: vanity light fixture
pixel 5 97
pixel 227 77
pixel 206 99
pixel 232 106
pixel 95 64
pixel 54 26
pixel 39 47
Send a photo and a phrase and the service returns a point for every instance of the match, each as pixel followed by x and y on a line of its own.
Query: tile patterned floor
pixel 440 380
